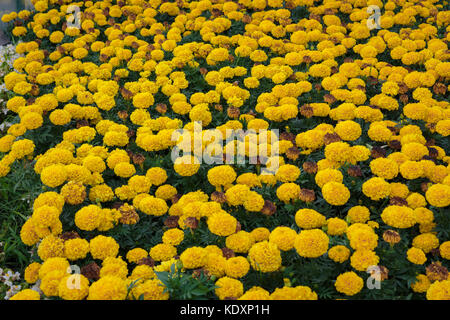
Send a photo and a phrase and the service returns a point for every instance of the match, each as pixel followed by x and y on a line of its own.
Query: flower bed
pixel 230 150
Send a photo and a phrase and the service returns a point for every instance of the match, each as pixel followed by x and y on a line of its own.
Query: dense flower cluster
pixel 362 173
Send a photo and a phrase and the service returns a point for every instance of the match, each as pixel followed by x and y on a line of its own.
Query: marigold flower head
pixel 311 243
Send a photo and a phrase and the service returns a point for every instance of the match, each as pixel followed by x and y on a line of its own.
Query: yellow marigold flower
pixel 260 234
pixel 22 148
pixel 411 170
pixel 51 247
pixel 363 259
pixel 426 241
pixel 162 252
pixel 194 257
pixel 222 224
pixel 283 237
pixel 254 202
pixel 287 173
pixel 54 175
pixel 336 226
pixel 376 188
pixel 165 192
pixel 335 193
pixel 26 294
pixel 327 175
pixel 153 206
pixel 338 151
pixel 416 256
pixel 265 256
pixel 50 283
pixel 309 219
pixel 73 192
pixel 136 254
pixel 438 195
pixel 71 288
pixel 384 168
pixel 52 264
pixel 237 194
pixel 293 293
pixel 142 272
pixel 363 239
pixel 398 216
pixel 88 218
pixel 444 250
pixel 45 216
pixel 186 166
pixel 311 243
pixel 228 288
pixel 151 289
pixel 358 214
pixel 102 247
pixel 75 249
pixel 422 284
pixel 255 293
pixel 157 176
pixel 223 175
pixel 288 191
pixel 339 253
pixel 173 236
pixel 240 241
pixel 439 290
pixel 31 274
pixel 349 283
pixel 124 169
pixel 237 267
pixel 348 130
pixel 108 288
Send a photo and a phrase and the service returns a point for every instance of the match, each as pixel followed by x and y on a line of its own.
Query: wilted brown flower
pixel 171 222
pixel 404 98
pixel 377 152
pixel 293 153
pixel 380 274
pixel 330 138
pixel 228 253
pixel 287 136
pixel 307 195
pixel 69 235
pixel 218 197
pixel 122 114
pixel 329 98
pixel 310 167
pixel 424 186
pixel 307 111
pixel 439 88
pixel 161 108
pixel 138 158
pixel 233 112
pixel 395 144
pixel 391 236
pixel 437 272
pixel 397 201
pixel 129 215
pixel 197 273
pixel 147 261
pixel 191 222
pixel 91 271
pixel 354 171
pixel 269 208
